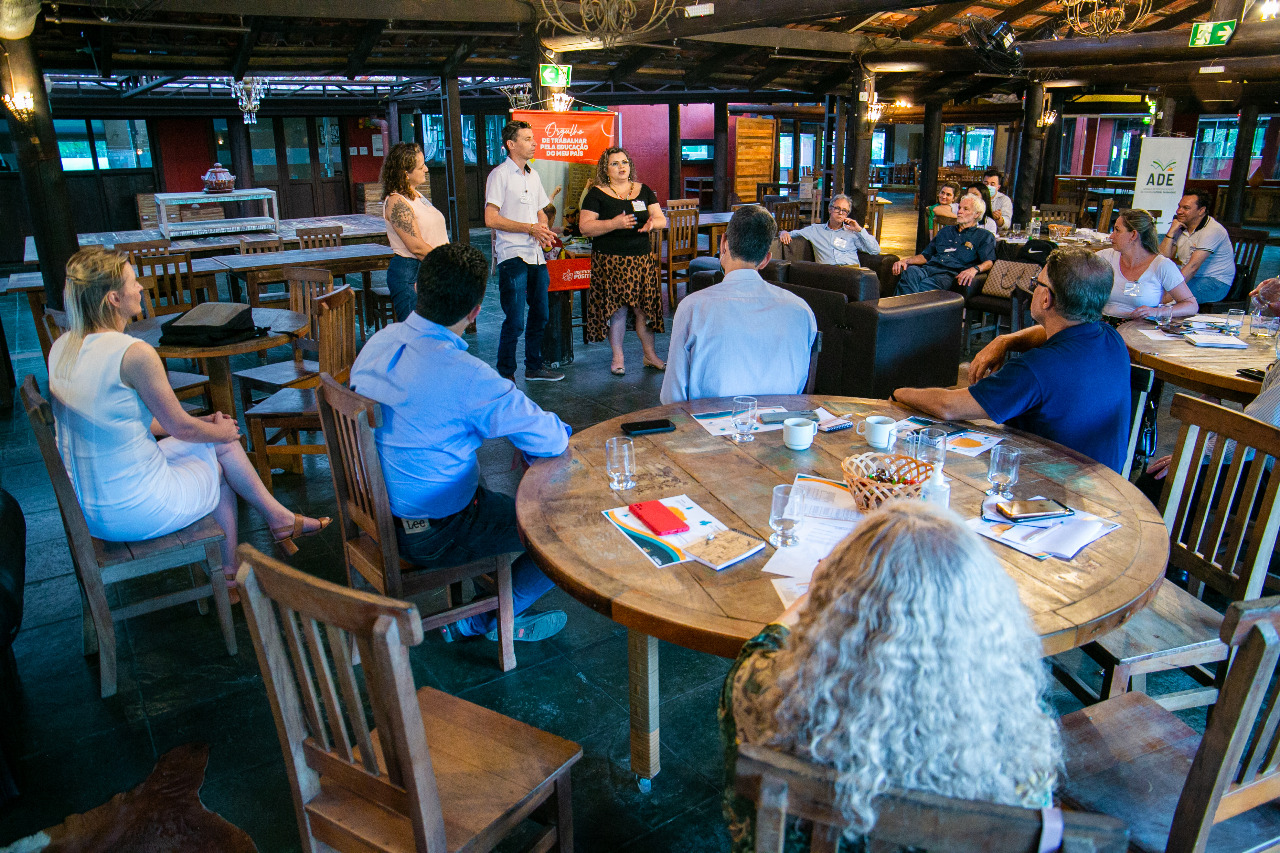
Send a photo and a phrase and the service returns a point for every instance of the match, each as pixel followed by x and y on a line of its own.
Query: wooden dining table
pixel 1205 370
pixel 561 500
pixel 283 327
pixel 266 267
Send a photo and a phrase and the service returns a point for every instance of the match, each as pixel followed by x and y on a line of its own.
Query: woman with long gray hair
pixel 910 664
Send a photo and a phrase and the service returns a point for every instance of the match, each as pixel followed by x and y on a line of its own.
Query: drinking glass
pixel 931 446
pixel 1235 320
pixel 784 516
pixel 1262 322
pixel 1002 470
pixel 744 418
pixel 620 463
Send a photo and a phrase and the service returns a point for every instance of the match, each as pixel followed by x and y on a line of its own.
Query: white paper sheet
pixel 666 550
pixel 817 536
pixel 826 498
pixel 971 443
pixel 789 589
pixel 1157 335
pixel 721 423
pixel 1063 538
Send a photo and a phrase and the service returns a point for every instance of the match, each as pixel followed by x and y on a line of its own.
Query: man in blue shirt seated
pixel 439 404
pixel 1071 384
pixel 743 335
pixel 839 239
pixel 955 256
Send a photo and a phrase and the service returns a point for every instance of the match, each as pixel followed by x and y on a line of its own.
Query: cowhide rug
pixel 162 815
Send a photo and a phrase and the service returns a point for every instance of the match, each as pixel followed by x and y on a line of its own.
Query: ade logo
pixel 1163 175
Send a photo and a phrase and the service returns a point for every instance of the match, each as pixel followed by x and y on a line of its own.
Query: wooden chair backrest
pixel 782 785
pixel 40 414
pixel 1237 766
pixel 1208 534
pixel 318 702
pixel 335 324
pixel 143 249
pixel 364 511
pixel 940 221
pixel 1059 213
pixel 1104 215
pixel 168 277
pixel 319 238
pixel 875 218
pixel 682 202
pixel 1249 244
pixel 258 247
pixel 789 214
pixel 304 285
pixel 1141 380
pixel 682 233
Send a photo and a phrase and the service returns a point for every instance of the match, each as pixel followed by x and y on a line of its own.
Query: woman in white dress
pixel 1143 278
pixel 112 401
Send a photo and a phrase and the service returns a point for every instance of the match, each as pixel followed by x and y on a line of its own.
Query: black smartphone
pixel 1252 373
pixel 646 427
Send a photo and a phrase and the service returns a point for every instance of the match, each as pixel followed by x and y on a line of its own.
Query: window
pixel 329 144
pixel 1126 142
pixel 877 146
pixel 493 125
pixel 297 148
pixel 469 139
pixel 406 128
pixel 262 149
pixel 433 145
pixel 73 144
pixel 1067 152
pixel 1215 146
pixel 952 146
pixel 222 142
pixel 121 143
pixel 8 156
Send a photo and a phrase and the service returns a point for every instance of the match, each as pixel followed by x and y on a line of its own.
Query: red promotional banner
pixel 569 274
pixel 570 137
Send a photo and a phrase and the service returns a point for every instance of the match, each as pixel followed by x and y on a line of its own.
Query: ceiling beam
pixel 631 63
pixel 434 11
pixel 1182 16
pixel 717 61
pixel 1019 10
pixel 360 53
pixel 240 64
pixel 460 54
pixel 771 71
pixel 928 20
pixel 828 83
pixel 149 85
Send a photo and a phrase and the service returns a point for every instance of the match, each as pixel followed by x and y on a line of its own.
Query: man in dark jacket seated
pixel 955 256
pixel 1071 384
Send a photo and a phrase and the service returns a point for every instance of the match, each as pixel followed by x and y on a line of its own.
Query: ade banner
pixel 1162 174
pixel 572 137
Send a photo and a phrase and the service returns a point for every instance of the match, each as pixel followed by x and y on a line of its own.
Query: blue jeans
pixel 920 278
pixel 487 526
pixel 1206 289
pixel 402 281
pixel 521 284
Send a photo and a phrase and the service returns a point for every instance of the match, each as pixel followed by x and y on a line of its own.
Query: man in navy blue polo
pixel 1071 384
pixel 955 256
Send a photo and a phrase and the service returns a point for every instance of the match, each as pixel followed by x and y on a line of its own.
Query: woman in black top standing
pixel 617 214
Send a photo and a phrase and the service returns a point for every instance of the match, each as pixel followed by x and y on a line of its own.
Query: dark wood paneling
pixel 13 212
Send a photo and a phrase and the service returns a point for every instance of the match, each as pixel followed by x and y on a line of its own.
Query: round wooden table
pixel 284 326
pixel 560 502
pixel 1205 370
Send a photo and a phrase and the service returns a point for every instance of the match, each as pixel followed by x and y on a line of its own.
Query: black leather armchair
pixel 801 249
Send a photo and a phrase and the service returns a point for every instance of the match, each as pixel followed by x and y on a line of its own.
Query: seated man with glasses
pixel 1071 383
pixel 839 239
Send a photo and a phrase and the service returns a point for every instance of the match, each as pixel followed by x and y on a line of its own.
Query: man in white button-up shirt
pixel 743 335
pixel 514 202
pixel 1001 205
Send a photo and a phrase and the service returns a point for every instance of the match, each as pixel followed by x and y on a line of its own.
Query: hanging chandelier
pixel 606 21
pixel 875 109
pixel 1047 118
pixel 1102 19
pixel 249 93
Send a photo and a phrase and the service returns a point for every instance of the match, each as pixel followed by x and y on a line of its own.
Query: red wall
pixel 646 136
pixel 183 144
pixel 364 167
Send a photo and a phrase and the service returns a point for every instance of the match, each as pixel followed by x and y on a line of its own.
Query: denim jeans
pixel 521 284
pixel 922 278
pixel 487 526
pixel 402 281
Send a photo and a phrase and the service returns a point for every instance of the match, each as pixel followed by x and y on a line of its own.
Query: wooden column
pixel 720 161
pixel 828 128
pixel 675 188
pixel 795 150
pixel 1052 153
pixel 863 130
pixel 393 122
pixel 855 120
pixel 40 169
pixel 1164 115
pixel 1029 153
pixel 837 148
pixel 930 157
pixel 1234 209
pixel 454 162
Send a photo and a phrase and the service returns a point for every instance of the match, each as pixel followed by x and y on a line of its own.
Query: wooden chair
pixel 682 246
pixel 875 218
pixel 1134 760
pixel 255 281
pixel 319 238
pixel 437 774
pixel 790 215
pixel 1207 509
pixel 1249 244
pixel 1067 213
pixel 1104 215
pixel 368 527
pixel 782 785
pixel 292 411
pixel 168 278
pixel 144 248
pixel 940 221
pixel 1141 380
pixel 303 370
pixel 99 563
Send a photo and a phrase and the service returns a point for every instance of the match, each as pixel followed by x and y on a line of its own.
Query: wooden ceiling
pixel 747 50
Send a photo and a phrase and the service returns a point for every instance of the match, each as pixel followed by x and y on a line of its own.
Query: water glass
pixel 1262 322
pixel 744 419
pixel 785 513
pixel 931 446
pixel 1235 320
pixel 620 463
pixel 1002 470
pixel 1161 315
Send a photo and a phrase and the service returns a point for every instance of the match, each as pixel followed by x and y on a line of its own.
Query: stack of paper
pixel 721 423
pixel 830 515
pixel 1043 538
pixel 1211 339
pixel 669 549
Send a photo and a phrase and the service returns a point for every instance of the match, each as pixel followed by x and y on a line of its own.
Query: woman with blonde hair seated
pixel 910 664
pixel 112 401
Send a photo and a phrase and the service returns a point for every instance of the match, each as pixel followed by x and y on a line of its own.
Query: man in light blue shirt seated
pixel 439 404
pixel 838 240
pixel 743 335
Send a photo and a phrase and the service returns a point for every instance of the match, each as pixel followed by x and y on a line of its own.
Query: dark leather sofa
pixel 871 345
pixel 801 249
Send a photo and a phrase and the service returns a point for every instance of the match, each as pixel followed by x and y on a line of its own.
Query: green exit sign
pixel 555 76
pixel 1211 33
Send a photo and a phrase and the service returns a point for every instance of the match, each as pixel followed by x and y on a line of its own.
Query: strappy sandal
pixel 284 536
pixel 656 365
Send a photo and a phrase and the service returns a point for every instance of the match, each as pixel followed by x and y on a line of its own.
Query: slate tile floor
pixel 177 684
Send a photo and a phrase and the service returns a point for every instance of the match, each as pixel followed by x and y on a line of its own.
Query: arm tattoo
pixel 402 218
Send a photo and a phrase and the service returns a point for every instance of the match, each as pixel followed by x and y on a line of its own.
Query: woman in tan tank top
pixel 414 226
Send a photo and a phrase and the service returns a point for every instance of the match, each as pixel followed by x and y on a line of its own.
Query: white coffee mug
pixel 879 431
pixel 798 433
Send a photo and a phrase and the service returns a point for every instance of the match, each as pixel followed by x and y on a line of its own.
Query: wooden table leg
pixel 642 666
pixel 233 284
pixel 220 385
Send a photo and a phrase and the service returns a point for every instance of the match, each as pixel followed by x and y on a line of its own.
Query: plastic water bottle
pixel 936 489
pixel 1033 227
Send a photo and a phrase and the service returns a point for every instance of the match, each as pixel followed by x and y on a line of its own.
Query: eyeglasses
pixel 1036 284
pixel 845 210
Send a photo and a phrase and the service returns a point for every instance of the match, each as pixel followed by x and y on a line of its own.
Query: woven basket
pixel 869 494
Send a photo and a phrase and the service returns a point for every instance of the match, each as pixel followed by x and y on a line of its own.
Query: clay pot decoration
pixel 219 180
